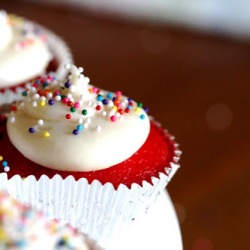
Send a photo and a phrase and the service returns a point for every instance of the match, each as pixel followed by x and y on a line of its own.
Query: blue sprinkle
pixel 99 98
pixel 4 163
pixel 51 102
pixel 75 132
pixel 105 101
pixel 79 127
pixel 146 109
pixel 45 85
pixel 109 95
pixel 31 130
pixel 21 243
pixel 67 84
pixel 142 116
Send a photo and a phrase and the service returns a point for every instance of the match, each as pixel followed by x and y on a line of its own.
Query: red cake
pixel 152 158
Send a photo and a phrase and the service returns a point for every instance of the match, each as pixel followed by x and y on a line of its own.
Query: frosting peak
pixel 71 125
pixel 77 83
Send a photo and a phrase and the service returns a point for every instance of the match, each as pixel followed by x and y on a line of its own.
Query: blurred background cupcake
pixel 27 50
pixel 23 227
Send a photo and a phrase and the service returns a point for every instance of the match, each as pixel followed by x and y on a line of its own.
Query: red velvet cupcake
pixel 29 50
pixel 84 155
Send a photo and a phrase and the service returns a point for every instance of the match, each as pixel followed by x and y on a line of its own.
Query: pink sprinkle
pixel 77 105
pixel 118 93
pixel 95 89
pixel 51 78
pixel 65 100
pixel 113 118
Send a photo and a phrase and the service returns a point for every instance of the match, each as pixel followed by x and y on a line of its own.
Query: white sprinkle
pixel 124 104
pixel 7 169
pixel 110 103
pixel 43 98
pixel 112 112
pixel 67 66
pixel 40 122
pixel 34 104
pixel 36 96
pixel 88 120
pixel 69 95
pixel 80 121
pixel 104 113
pixel 72 88
pixel 85 125
pixel 12 119
pixel 90 103
pixel 98 128
pixel 49 95
pixel 33 90
pixel 58 98
pixel 86 80
pixel 71 99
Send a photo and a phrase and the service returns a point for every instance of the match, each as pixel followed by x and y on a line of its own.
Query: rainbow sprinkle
pixel 48 92
pixel 22 227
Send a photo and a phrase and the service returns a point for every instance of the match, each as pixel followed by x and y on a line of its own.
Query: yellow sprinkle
pixel 114 108
pixel 3 235
pixel 1 157
pixel 42 103
pixel 137 110
pixel 46 134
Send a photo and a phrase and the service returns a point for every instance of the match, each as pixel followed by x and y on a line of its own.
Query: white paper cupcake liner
pixel 60 52
pixel 96 209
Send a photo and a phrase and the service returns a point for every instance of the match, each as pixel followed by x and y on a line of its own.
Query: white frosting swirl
pixel 23 52
pixel 72 126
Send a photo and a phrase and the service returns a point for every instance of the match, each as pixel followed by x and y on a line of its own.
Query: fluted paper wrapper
pixel 96 209
pixel 60 51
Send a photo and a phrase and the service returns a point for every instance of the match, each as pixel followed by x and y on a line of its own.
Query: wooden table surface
pixel 196 85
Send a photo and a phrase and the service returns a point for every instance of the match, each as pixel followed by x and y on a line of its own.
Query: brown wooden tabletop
pixel 196 85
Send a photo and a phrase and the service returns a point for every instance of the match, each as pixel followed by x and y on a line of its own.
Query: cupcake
pixel 90 157
pixel 22 227
pixel 27 50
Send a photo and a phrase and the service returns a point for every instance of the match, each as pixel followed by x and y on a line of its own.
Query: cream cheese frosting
pixel 71 125
pixel 23 51
pixel 22 227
